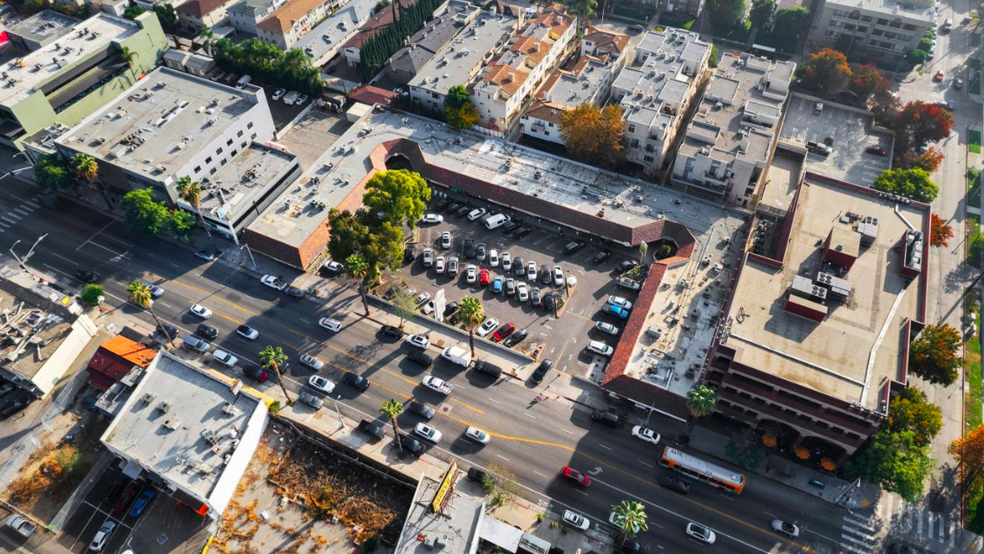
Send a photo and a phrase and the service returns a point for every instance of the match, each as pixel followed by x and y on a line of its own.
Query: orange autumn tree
pixel 969 453
pixel 826 72
pixel 592 134
pixel 933 355
pixel 940 232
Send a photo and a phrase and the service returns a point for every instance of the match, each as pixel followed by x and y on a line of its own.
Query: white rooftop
pixel 332 32
pixel 919 9
pixel 458 524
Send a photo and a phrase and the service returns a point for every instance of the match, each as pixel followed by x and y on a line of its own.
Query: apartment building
pixel 66 80
pixel 423 45
pixel 289 23
pixel 195 15
pixel 323 42
pixel 174 125
pixel 245 15
pixel 872 29
pixel 656 89
pixel 458 61
pixel 729 141
pixel 501 89
pixel 378 23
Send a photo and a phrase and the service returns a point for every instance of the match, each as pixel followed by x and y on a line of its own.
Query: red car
pixel 485 277
pixel 503 332
pixel 938 77
pixel 577 476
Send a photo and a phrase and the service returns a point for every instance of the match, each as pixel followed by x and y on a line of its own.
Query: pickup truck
pixel 23 527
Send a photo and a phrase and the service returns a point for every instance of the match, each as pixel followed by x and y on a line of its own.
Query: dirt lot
pixel 297 497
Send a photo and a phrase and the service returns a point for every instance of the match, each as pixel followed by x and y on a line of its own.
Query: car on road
pixel 446 240
pixel 675 483
pixel 332 325
pixel 477 435
pixel 645 434
pixel 312 362
pixel 437 385
pixel 356 381
pixel 576 520
pixel 86 276
pixel 958 83
pixel 418 341
pixel 247 332
pixel 938 78
pixel 155 291
pixel 620 302
pixel 876 150
pixel 701 533
pixel 616 311
pixel 515 338
pixel 606 417
pixel 373 429
pixel 503 332
pixel 476 213
pixel 294 292
pixel 576 476
pixel 600 348
pixel 558 276
pixel 471 274
pixel 141 503
pixel 484 277
pixel 166 330
pixel 207 332
pixel 421 409
pixel 420 357
pixel 321 384
pixel 428 258
pixel 391 331
pixel 411 445
pixel 432 218
pixel 785 528
pixel 200 311
pixel 541 370
pixel 256 373
pixel 573 247
pixel 506 261
pixel 523 292
pixel 205 255
pixel 102 536
pixel 945 105
pixel 457 355
pixel 497 284
pixel 428 433
pixel 606 328
pixel 273 282
pixel 225 358
pixel 487 327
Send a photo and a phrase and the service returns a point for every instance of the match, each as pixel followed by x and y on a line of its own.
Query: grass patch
pixel 975 510
pixel 676 20
pixel 975 39
pixel 974 137
pixel 974 188
pixel 974 241
pixel 974 395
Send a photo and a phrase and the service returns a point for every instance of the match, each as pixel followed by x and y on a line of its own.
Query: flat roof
pixel 160 122
pixel 458 524
pixel 26 75
pixel 234 187
pixel 331 33
pixel 919 9
pixel 657 73
pixel 576 84
pixel 173 433
pixel 856 348
pixel 43 25
pixel 427 41
pixel 457 60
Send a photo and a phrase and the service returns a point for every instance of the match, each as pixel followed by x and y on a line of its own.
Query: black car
pixel 454 207
pixel 573 247
pixel 607 418
pixel 390 331
pixel 356 381
pixel 545 275
pixel 207 332
pixel 482 366
pixel 421 358
pixel 421 409
pixel 675 483
pixel 411 445
pixel 553 301
pixel 450 309
pixel 601 256
pixel 409 254
pixel 294 292
pixel 476 475
pixel 515 338
pixel 442 206
pixel 469 248
pixel 463 210
pixel 509 228
pixel 372 429
pixel 625 265
pixel 630 546
pixel 522 232
pixel 168 331
pixel 115 489
pixel 86 276
pixel 541 370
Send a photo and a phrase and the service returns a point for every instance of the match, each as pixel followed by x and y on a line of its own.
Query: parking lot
pixel 565 339
pixel 850 133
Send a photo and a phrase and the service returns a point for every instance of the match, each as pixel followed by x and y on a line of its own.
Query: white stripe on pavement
pixel 32 204
pixel 852 549
pixel 860 523
pixel 855 541
pixel 22 211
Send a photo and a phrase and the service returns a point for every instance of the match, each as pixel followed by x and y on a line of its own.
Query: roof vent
pixel 164 407
pixel 173 424
pixel 148 397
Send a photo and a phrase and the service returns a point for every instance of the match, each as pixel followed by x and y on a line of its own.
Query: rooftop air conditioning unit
pixel 164 407
pixel 148 397
pixel 173 424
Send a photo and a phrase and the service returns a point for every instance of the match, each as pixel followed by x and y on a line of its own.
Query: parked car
pixel 958 83
pixel 247 332
pixel 418 341
pixel 519 268
pixel 497 284
pixel 509 228
pixel 506 261
pixel 487 327
pixel 576 520
pixel 311 400
pixel 21 526
pixel 510 286
pixel 225 358
pixel 311 361
pixel 620 301
pixel 321 384
pixel 432 218
pixel 256 373
pixel 273 282
pixel 468 249
pixel 876 150
pixel 531 271
pixel 375 430
pixel 515 338
pixel 205 255
pixel 535 296
pixel 573 247
pixel 391 331
pixel 440 265
pixel 625 265
pixel 476 213
pixel 494 257
pixel 606 417
pixel 480 252
pixel 600 348
pixel 278 94
pixel 166 330
pixel 627 283
pixel 428 258
pixel 601 257
pixel 452 266
pixel 484 277
pixel 487 368
pixel 356 381
pixel 503 332
pixel 553 301
pixel 541 370
pixel 606 328
pixel 616 311
pixel 86 276
pixel 420 357
pixel 446 240
pixel 476 475
pixel 195 343
pixel 523 292
pixel 545 275
pixel 294 292
pixel 675 483
pixel 471 274
pixel 102 536
pixel 411 445
pixel 522 232
pixel 558 276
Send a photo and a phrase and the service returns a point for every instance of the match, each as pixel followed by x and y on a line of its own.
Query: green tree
pixel 181 224
pixel 404 304
pixel 725 15
pixel 167 15
pixel 52 174
pixel 139 293
pixel 712 60
pixel 91 294
pixel 392 408
pixel 968 451
pixel 128 56
pixel 398 196
pixel 896 461
pixel 273 357
pixel 583 9
pixel 911 183
pixel 788 24
pixel 143 213
pixel 500 485
pixel 84 167
pixel 701 401
pixel 825 72
pixel 911 410
pixel 630 518
pixel 208 39
pixel 916 56
pixel 190 191
pixel 745 449
pixel 458 108
pixel 132 12
pixel 471 314
pixel 358 268
pixel 761 14
pixel 933 355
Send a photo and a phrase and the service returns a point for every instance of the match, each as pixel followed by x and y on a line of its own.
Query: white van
pixel 243 81
pixel 496 221
pixel 457 355
pixel 948 24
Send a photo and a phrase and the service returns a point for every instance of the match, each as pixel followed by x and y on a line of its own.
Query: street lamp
pixel 23 262
pixel 15 172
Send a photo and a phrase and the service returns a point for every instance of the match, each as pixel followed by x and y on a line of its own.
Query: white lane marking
pixel 529 416
pixel 855 541
pixel 174 265
pixel 304 320
pixel 584 493
pixel 603 446
pixel 110 250
pixel 493 400
pixel 32 204
pixel 501 456
pixel 94 235
pixel 73 262
pixel 22 212
pixel 820 535
pixel 567 431
pixel 647 465
pixel 166 305
pixel 538 473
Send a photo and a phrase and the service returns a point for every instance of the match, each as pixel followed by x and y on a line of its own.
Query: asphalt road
pixel 535 440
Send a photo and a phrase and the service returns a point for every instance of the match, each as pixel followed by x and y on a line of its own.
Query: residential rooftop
pixel 43 26
pixel 30 73
pixel 183 424
pixel 662 62
pixel 457 526
pixel 856 348
pixel 251 7
pixel 919 9
pixel 331 33
pixel 241 182
pixel 577 85
pixel 155 126
pixel 457 61
pixel 426 42
pixel 285 16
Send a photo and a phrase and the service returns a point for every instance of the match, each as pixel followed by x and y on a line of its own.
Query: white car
pixel 701 533
pixel 428 433
pixel 523 292
pixel 620 302
pixel 279 94
pixel 301 99
pixel 785 528
pixel 155 291
pixel 494 257
pixel 606 327
pixel 440 265
pixel 201 311
pixel 422 298
pixel 273 282
pixel 487 327
pixel 506 261
pixel 332 325
pixel 419 341
pixel 312 362
pixel 645 434
pixel 477 435
pixel 432 218
pixel 471 274
pixel 437 385
pixel 429 308
pixel 476 213
pixel 531 271
pixel 332 267
pixel 102 536
pixel 446 240
pixel 558 276
pixel 428 257
pixel 225 358
pixel 322 384
pixel 599 347
pixel 576 520
pixel 247 332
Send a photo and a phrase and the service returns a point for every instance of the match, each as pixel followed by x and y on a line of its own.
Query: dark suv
pixel 411 445
pixel 372 429
pixel 390 331
pixel 541 370
pixel 469 248
pixel 607 418
pixel 675 483
pixel 482 366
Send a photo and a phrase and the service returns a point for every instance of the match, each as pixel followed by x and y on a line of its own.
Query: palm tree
pixel 191 192
pixel 630 517
pixel 140 295
pixel 471 314
pixel 207 37
pixel 392 408
pixel 272 357
pixel 701 401
pixel 128 56
pixel 85 168
pixel 359 269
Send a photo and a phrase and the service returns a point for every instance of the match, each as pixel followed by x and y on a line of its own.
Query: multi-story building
pixel 656 89
pixel 68 79
pixel 501 90
pixel 458 61
pixel 586 79
pixel 815 333
pixel 189 62
pixel 402 66
pixel 40 29
pixel 195 15
pixel 245 15
pixel 289 23
pixel 323 42
pixel 689 7
pixel 873 29
pixel 173 125
pixel 730 140
pixel 378 23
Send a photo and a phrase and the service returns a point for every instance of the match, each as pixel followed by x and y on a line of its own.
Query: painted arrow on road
pixel 596 471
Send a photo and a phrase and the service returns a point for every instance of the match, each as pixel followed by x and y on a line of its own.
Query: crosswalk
pixel 896 518
pixel 17 214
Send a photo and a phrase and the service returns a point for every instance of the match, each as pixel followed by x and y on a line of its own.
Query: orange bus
pixel 707 472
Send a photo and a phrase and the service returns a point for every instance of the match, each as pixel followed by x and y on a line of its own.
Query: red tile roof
pixel 372 95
